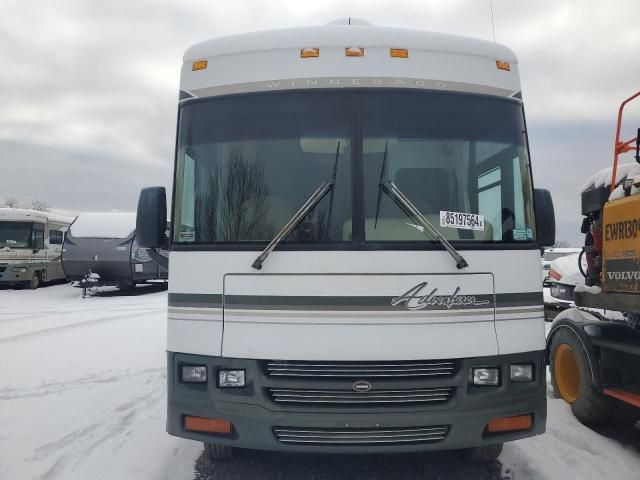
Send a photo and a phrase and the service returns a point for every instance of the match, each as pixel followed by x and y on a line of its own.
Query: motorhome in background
pixel 100 248
pixel 401 309
pixel 30 246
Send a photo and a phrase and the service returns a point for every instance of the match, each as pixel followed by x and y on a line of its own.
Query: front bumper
pixel 255 415
pixel 8 275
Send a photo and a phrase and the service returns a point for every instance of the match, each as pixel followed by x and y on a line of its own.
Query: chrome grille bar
pixel 354 436
pixel 404 369
pixel 344 397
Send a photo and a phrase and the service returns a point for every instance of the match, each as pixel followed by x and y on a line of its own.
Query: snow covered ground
pixel 82 395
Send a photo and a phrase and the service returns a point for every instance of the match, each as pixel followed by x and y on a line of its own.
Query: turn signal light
pixel 209 425
pixel 508 424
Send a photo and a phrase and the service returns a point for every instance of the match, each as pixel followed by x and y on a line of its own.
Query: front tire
pixel 35 281
pixel 485 453
pixel 571 380
pixel 217 452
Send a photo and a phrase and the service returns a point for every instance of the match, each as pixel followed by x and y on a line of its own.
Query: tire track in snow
pixel 76 446
pixel 33 314
pixel 54 388
pixel 72 326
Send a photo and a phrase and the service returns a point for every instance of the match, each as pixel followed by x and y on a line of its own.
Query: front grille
pixel 357 370
pixel 344 397
pixel 360 436
pixel 2 268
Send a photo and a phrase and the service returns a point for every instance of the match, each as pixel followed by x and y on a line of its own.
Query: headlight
pixel 19 269
pixel 194 374
pixel 521 373
pixel 486 376
pixel 231 378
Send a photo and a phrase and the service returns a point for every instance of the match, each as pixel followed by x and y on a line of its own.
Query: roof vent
pixel 349 21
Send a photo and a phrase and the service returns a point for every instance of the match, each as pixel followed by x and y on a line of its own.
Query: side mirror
pixel 151 218
pixel 545 217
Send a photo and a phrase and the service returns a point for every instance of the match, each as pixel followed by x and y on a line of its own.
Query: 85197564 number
pixel 467 221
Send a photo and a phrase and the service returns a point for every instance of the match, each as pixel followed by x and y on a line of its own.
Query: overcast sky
pixel 88 89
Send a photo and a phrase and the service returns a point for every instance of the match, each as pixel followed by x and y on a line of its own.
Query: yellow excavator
pixel 594 349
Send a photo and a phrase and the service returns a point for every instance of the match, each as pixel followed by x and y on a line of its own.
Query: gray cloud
pixel 88 90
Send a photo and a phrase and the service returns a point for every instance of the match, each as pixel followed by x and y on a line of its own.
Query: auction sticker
pixel 186 236
pixel 466 221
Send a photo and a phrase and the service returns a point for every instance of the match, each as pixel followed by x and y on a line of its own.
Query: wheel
pixel 571 380
pixel 218 452
pixel 34 283
pixel 485 453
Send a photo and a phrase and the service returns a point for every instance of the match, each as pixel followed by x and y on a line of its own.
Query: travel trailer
pixel 355 245
pixel 100 249
pixel 30 246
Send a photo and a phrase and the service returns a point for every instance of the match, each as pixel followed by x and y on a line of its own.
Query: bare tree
pixel 39 205
pixel 13 202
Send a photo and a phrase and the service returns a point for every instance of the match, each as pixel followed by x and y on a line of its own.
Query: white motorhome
pixel 30 246
pixel 355 250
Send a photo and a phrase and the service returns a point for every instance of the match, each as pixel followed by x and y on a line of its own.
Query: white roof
pixel 271 61
pixel 342 36
pixel 104 225
pixel 28 215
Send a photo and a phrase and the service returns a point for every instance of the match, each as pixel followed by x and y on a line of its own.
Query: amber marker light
pixel 309 52
pixel 399 53
pixel 354 52
pixel 508 424
pixel 199 65
pixel 208 425
pixel 503 65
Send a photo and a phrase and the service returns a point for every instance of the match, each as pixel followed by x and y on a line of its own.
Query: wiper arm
pixel 312 201
pixel 411 210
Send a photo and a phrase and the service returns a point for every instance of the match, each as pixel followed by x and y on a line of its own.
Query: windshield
pixel 460 159
pixel 15 234
pixel 247 163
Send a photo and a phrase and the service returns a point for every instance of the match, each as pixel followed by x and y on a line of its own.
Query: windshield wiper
pixel 412 211
pixel 312 201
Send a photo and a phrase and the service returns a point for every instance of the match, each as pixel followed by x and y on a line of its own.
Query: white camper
pixel 30 246
pixel 355 251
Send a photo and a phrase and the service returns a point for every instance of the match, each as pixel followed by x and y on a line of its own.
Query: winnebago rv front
pixel 355 254
pixel 100 249
pixel 30 246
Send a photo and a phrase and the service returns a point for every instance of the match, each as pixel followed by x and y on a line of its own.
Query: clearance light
pixel 209 425
pixel 503 65
pixel 399 53
pixel 309 52
pixel 555 274
pixel 507 424
pixel 199 65
pixel 354 52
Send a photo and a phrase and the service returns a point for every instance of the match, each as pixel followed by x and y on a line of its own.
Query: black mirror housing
pixel 545 217
pixel 151 218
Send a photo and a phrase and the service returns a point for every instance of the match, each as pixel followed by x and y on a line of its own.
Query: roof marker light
pixel 199 65
pixel 354 52
pixel 309 52
pixel 503 65
pixel 399 53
